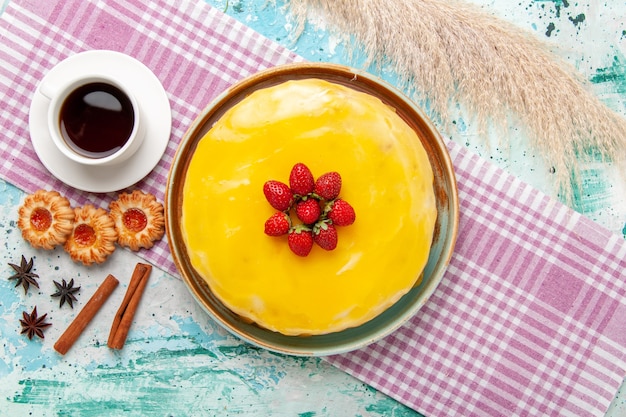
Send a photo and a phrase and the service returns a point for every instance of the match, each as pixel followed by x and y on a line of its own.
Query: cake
pixel 386 177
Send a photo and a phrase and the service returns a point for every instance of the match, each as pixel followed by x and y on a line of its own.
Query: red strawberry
pixel 278 224
pixel 325 236
pixel 278 195
pixel 308 211
pixel 301 179
pixel 341 213
pixel 328 185
pixel 300 241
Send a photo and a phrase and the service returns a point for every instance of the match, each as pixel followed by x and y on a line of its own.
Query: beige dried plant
pixel 454 52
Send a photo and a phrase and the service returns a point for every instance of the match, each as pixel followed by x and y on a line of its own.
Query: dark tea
pixel 96 120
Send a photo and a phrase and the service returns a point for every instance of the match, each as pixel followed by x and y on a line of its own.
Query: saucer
pixel 154 107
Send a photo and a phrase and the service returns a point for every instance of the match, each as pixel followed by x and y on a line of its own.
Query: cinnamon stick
pixel 85 315
pixel 124 317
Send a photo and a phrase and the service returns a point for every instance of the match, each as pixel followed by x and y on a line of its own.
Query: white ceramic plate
pixel 154 107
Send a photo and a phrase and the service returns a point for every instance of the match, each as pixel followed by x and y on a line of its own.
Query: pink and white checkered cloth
pixel 530 318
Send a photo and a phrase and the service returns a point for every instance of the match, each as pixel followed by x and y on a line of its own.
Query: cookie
pixel 139 219
pixel 45 219
pixel 93 237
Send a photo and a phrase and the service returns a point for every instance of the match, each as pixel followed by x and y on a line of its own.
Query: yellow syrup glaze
pixel 386 176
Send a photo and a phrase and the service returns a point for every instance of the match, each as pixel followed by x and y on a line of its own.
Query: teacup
pixel 94 119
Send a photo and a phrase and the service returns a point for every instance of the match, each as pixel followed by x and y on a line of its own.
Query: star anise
pixel 33 325
pixel 23 274
pixel 66 292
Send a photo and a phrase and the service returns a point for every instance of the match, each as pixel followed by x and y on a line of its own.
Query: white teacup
pixel 94 119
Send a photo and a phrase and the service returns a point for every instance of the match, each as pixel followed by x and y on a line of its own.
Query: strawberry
pixel 301 179
pixel 325 235
pixel 328 185
pixel 278 224
pixel 308 211
pixel 300 241
pixel 278 195
pixel 341 213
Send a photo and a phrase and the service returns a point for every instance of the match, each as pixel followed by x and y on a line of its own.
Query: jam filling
pixel 84 235
pixel 135 220
pixel 41 219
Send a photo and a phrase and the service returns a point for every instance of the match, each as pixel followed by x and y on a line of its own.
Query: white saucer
pixel 155 108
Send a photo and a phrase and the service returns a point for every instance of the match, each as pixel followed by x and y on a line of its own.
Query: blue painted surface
pixel 176 362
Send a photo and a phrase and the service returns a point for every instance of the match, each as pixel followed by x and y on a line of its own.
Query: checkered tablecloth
pixel 530 318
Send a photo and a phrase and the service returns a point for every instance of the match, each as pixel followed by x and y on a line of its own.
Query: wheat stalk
pixel 451 51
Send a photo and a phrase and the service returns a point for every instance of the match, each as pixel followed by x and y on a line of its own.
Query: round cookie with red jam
pixel 138 218
pixel 45 219
pixel 93 237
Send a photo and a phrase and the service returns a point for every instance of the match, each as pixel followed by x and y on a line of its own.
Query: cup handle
pixel 48 90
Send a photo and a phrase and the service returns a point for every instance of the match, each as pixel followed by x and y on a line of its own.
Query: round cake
pixel 386 177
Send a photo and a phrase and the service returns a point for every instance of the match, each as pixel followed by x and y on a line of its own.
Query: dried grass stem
pixel 451 51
